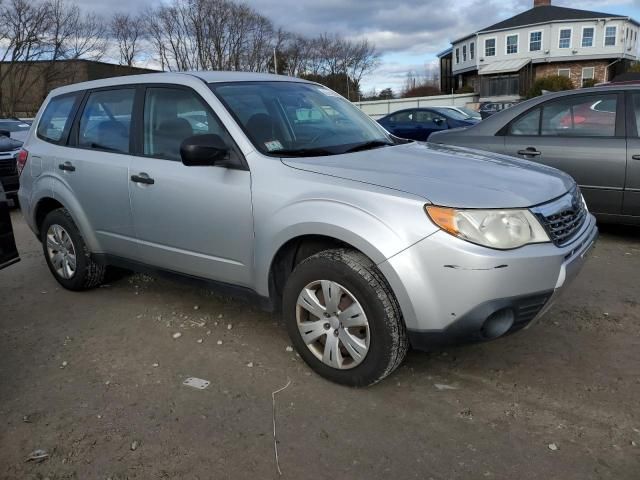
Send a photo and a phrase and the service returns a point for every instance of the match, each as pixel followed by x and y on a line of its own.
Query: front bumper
pixel 451 291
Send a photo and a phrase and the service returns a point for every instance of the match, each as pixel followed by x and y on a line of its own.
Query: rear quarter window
pixel 56 118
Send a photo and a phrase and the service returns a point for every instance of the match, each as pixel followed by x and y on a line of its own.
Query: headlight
pixel 500 229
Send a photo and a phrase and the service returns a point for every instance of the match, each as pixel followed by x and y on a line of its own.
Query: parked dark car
pixel 9 151
pixel 419 123
pixel 592 133
pixel 489 108
pixel 8 251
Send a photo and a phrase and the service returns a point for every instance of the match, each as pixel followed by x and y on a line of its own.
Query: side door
pixel 631 202
pixel 95 166
pixel 427 122
pixel 583 135
pixel 402 124
pixel 192 220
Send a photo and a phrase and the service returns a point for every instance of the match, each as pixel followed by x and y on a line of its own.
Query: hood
pixel 21 135
pixel 445 175
pixel 8 144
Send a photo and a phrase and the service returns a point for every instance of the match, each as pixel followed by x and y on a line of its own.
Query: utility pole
pixel 275 61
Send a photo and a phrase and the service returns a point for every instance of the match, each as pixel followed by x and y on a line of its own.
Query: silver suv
pixel 280 190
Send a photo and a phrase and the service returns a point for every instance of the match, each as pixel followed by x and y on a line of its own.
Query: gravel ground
pixel 95 380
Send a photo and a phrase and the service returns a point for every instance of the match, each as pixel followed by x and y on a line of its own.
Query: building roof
pixel 547 13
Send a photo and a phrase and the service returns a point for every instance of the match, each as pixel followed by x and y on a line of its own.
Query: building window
pixel 565 38
pixel 564 72
pixel 512 44
pixel 472 48
pixel 610 36
pixel 490 47
pixel 535 41
pixel 588 74
pixel 464 53
pixel 457 55
pixel 587 37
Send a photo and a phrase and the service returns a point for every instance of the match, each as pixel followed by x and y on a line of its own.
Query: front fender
pixel 327 217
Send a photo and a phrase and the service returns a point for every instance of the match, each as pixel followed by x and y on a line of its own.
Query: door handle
pixel 67 167
pixel 529 151
pixel 635 157
pixel 143 178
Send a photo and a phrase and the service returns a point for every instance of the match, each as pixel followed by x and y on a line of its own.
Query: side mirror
pixel 437 121
pixel 205 151
pixel 5 133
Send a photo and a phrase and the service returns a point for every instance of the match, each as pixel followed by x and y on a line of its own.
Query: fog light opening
pixel 498 323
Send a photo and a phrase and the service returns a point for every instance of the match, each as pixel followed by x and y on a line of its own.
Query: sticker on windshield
pixel 273 145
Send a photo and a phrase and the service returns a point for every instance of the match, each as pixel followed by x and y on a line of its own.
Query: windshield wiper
pixel 304 152
pixel 368 146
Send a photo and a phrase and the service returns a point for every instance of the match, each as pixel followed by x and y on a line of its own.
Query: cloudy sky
pixel 408 33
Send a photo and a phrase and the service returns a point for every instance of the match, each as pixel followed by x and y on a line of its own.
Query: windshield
pixel 449 112
pixel 291 118
pixel 14 126
pixel 468 111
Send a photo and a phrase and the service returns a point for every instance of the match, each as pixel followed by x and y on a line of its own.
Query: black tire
pixel 388 342
pixel 88 273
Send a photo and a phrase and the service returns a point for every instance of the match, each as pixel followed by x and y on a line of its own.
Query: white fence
pixel 379 108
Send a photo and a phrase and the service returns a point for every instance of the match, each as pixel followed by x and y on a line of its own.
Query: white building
pixel 502 61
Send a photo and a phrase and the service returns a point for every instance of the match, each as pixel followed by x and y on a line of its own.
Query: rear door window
pixel 406 116
pixel 105 123
pixel 56 118
pixel 580 116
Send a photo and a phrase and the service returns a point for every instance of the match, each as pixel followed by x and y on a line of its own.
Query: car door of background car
pixel 95 166
pixel 192 220
pixel 582 135
pixel 401 124
pixel 631 202
pixel 8 250
pixel 427 122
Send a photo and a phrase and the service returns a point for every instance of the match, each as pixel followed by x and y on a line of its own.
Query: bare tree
pixel 127 32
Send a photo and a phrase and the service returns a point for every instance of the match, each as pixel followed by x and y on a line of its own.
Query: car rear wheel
pixel 343 318
pixel 67 254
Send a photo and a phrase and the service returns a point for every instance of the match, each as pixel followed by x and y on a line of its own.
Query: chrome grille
pixel 563 217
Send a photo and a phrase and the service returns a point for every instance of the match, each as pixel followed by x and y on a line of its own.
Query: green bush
pixel 552 83
pixel 591 82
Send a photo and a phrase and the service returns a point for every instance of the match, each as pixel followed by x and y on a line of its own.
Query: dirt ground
pixel 85 375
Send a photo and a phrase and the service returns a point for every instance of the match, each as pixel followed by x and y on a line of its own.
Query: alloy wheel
pixel 61 251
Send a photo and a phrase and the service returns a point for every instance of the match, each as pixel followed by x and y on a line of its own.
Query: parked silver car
pixel 280 190
pixel 591 133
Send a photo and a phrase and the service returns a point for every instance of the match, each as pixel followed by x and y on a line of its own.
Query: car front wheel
pixel 343 318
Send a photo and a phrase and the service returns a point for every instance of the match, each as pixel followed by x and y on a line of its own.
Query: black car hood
pixel 448 176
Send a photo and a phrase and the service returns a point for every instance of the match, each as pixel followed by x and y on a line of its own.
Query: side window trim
pixel 64 137
pixel 138 115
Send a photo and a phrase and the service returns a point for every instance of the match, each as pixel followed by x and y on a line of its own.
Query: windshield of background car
pixel 453 114
pixel 14 126
pixel 289 117
pixel 468 111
